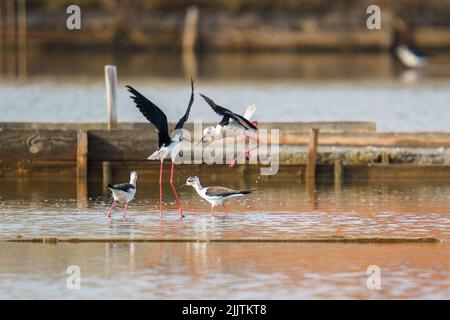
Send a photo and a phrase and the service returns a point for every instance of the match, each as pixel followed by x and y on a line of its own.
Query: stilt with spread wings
pixel 168 145
pixel 231 124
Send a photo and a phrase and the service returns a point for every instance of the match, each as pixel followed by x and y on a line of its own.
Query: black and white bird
pixel 216 196
pixel 123 193
pixel 232 124
pixel 169 146
pixel 409 58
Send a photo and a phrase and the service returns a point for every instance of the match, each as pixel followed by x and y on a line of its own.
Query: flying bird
pixel 232 124
pixel 216 196
pixel 168 146
pixel 409 58
pixel 123 193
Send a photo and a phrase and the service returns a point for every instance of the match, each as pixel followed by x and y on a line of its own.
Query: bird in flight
pixel 232 124
pixel 169 146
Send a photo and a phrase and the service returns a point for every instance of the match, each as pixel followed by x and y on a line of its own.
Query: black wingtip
pixel 110 186
pixel 246 191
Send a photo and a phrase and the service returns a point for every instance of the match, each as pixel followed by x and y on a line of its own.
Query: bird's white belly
pixel 122 196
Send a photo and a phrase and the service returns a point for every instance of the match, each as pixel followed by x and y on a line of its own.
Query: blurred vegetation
pixel 244 5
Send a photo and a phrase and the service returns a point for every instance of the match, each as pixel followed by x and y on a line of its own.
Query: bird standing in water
pixel 123 193
pixel 216 196
pixel 168 145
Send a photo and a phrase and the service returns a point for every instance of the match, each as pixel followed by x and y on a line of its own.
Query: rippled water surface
pixel 278 209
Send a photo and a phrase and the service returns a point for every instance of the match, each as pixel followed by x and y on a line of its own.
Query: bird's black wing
pixel 125 187
pixel 153 114
pixel 183 120
pixel 228 114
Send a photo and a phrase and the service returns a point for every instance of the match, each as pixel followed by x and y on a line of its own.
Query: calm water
pixel 224 271
pixel 70 87
pixel 283 207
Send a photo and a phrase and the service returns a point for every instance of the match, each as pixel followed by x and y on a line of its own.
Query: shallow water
pixel 69 87
pixel 278 209
pixel 224 271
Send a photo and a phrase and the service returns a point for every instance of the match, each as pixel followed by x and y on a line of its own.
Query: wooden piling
pixel 22 38
pixel 82 154
pixel 190 29
pixel 338 173
pixel 111 85
pixel 82 171
pixel 11 36
pixel 106 174
pixel 385 158
pixel 312 154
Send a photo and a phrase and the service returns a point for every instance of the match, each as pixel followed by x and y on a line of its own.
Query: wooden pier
pixel 327 150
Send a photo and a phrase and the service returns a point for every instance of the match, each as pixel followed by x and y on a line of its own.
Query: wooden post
pixel 338 170
pixel 312 154
pixel 82 162
pixel 22 37
pixel 190 29
pixel 111 84
pixel 11 36
pixel 106 177
pixel 385 158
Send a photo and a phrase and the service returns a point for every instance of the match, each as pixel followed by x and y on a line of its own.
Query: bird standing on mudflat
pixel 123 193
pixel 168 145
pixel 231 123
pixel 216 196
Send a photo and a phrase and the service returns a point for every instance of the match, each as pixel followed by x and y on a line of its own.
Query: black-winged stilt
pixel 216 196
pixel 168 146
pixel 123 193
pixel 409 58
pixel 231 123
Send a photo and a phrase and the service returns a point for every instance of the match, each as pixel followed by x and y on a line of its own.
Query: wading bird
pixel 409 58
pixel 168 146
pixel 215 195
pixel 232 124
pixel 123 193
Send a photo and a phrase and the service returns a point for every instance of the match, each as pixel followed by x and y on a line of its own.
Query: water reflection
pixel 224 271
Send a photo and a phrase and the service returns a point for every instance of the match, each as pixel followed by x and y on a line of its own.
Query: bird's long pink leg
pixel 160 188
pixel 225 208
pixel 175 190
pixel 212 211
pixel 258 144
pixel 125 211
pixel 112 208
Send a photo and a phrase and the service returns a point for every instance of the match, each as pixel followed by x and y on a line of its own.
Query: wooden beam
pixel 338 172
pixel 189 39
pixel 312 154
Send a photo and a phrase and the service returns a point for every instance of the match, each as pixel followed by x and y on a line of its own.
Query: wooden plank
pixel 312 154
pixel 380 139
pixel 284 127
pixel 37 144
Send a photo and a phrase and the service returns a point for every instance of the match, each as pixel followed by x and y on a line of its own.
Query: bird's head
pixel 208 134
pixel 133 177
pixel 191 181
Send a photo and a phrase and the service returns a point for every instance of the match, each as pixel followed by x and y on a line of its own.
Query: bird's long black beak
pixel 201 141
pixel 182 186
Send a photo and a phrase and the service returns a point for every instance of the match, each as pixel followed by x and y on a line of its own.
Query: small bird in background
pixel 231 123
pixel 409 58
pixel 217 196
pixel 123 193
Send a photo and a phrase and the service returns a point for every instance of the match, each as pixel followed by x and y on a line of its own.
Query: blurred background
pixel 311 60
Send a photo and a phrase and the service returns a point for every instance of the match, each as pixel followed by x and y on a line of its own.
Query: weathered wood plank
pixel 38 144
pixel 290 127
